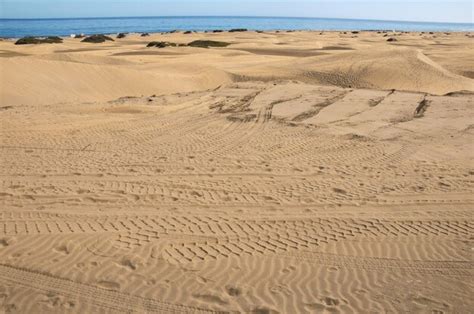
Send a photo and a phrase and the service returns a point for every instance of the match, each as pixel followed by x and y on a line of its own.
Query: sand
pixel 287 173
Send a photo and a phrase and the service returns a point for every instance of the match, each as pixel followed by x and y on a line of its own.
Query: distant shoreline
pixel 15 28
pixel 182 31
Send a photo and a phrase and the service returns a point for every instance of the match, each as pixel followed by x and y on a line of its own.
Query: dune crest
pixel 400 69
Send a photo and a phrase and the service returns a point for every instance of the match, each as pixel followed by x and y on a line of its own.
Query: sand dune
pixel 79 72
pixel 265 177
pixel 400 69
pixel 51 81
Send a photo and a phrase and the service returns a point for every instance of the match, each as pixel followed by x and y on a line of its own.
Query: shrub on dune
pixel 36 40
pixel 157 44
pixel 208 43
pixel 121 35
pixel 97 39
pixel 162 44
pixel 235 30
pixel 53 40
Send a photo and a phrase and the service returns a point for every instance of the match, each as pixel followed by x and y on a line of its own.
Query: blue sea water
pixel 63 27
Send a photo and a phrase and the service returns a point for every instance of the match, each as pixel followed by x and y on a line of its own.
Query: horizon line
pixel 231 16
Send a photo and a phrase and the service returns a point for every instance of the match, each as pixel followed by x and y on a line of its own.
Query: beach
pixel 283 172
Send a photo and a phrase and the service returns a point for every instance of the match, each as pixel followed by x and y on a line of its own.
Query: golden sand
pixel 289 172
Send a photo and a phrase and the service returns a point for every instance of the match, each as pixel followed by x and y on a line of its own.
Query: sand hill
pixel 286 173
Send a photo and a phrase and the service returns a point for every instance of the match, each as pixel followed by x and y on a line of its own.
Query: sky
pixel 460 11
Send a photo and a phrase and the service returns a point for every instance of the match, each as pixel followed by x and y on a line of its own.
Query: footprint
pixel 63 249
pixel 339 191
pixel 11 308
pixel 130 263
pixel 197 194
pixel 202 280
pixel 233 291
pixel 280 289
pixel 330 301
pixel 4 242
pixel 288 269
pixel 54 300
pixel 325 304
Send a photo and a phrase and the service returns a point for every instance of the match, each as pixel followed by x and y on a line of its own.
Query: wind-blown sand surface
pixel 289 172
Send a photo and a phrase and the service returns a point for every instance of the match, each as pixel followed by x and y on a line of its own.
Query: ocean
pixel 64 27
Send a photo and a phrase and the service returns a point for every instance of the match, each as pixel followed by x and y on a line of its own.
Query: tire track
pixel 104 298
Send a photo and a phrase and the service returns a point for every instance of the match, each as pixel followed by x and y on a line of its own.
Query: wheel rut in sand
pixel 102 295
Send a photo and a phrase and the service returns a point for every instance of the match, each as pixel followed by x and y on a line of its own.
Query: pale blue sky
pixel 406 10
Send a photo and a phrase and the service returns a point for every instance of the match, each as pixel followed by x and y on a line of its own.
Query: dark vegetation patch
pixel 208 44
pixel 235 30
pixel 145 35
pixel 391 39
pixel 38 40
pixel 97 39
pixel 121 35
pixel 159 44
pixel 164 44
pixel 79 36
pixel 196 43
pixel 217 31
pixel 188 32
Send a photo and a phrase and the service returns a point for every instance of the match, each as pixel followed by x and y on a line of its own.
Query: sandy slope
pixel 289 172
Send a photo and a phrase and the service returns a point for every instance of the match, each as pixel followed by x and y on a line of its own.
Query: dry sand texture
pixel 289 172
